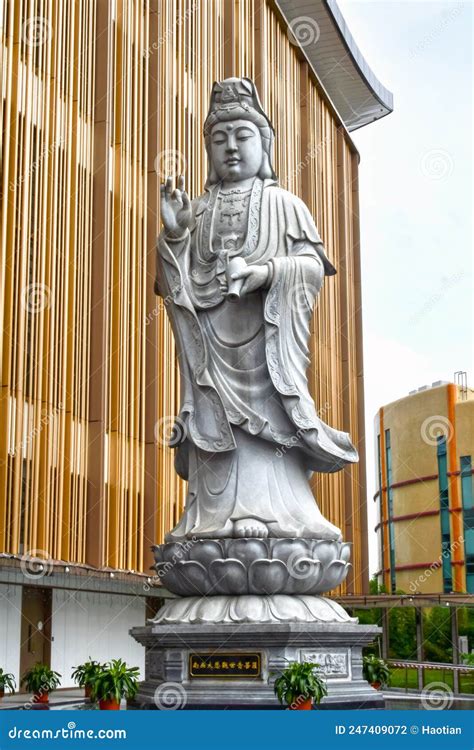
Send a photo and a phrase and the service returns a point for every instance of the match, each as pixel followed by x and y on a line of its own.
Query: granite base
pixel 175 653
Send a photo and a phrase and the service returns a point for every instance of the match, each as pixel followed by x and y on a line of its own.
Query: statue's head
pixel 238 134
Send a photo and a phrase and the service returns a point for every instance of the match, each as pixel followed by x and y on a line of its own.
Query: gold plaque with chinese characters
pixel 228 664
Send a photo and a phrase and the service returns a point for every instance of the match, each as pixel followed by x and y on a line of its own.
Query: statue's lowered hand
pixel 176 213
pixel 254 277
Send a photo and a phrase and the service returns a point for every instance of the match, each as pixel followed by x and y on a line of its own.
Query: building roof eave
pixel 326 42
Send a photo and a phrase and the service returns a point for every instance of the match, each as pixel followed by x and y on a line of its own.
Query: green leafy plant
pixel 7 681
pixel 298 682
pixel 468 660
pixel 376 670
pixel 115 681
pixel 86 674
pixel 41 679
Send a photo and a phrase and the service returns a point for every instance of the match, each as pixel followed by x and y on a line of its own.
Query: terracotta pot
pixel 376 685
pixel 41 698
pixel 305 705
pixel 87 691
pixel 109 704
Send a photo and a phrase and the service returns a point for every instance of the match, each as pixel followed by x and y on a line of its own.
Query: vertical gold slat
pixel 150 323
pixel 98 459
pixel 113 369
pixel 9 121
pixel 19 284
pixel 361 583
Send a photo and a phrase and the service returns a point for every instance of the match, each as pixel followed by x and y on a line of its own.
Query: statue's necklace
pixel 253 224
pixel 233 209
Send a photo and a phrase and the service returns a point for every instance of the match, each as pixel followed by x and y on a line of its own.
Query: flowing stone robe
pixel 248 436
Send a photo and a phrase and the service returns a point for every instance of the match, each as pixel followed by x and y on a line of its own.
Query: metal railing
pixel 416 677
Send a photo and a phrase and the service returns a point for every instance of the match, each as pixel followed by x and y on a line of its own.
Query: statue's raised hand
pixel 176 211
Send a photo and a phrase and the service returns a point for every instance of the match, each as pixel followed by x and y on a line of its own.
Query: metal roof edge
pixel 384 96
pixel 378 95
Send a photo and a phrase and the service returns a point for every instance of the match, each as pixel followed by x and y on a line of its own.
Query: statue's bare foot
pixel 250 527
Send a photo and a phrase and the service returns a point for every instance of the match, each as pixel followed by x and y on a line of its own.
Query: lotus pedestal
pixel 243 609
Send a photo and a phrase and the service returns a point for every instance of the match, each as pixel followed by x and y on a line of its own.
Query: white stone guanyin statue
pixel 248 436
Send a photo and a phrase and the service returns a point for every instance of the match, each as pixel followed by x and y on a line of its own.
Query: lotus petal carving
pixel 304 575
pixel 251 609
pixel 239 567
pixel 333 574
pixel 205 551
pixel 267 577
pixel 194 573
pixel 345 554
pixel 325 552
pixel 227 576
pixel 285 548
pixel 173 552
pixel 248 550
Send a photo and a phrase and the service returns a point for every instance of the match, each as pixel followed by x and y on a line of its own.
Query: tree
pixel 402 633
pixel 437 634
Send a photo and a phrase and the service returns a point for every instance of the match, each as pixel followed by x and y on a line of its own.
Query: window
pixel 468 516
pixel 444 514
pixel 380 501
pixel 391 530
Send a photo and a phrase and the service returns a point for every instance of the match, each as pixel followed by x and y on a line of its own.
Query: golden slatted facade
pixel 101 100
pixel 46 178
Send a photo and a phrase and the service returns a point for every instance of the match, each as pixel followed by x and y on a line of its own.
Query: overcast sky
pixel 415 202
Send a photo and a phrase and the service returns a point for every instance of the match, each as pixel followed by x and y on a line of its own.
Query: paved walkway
pixel 58 698
pixel 74 698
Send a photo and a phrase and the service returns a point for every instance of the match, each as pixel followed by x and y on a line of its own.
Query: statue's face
pixel 236 150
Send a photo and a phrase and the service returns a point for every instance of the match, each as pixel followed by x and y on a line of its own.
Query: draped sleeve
pixel 296 280
pixel 202 417
pixel 300 227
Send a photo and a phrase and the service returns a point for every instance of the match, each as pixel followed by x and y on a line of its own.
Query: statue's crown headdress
pixel 235 98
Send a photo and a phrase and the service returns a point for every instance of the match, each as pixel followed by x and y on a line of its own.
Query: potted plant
pixel 40 680
pixel 115 681
pixel 85 674
pixel 376 671
pixel 300 685
pixel 7 682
